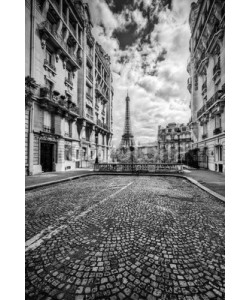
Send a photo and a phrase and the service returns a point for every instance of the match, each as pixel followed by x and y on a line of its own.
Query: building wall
pixel 207 63
pixel 42 103
pixel 169 141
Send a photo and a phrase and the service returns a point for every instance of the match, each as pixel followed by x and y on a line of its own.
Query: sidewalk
pixel 212 180
pixel 54 176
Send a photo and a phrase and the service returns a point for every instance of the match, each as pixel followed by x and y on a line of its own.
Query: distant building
pixel 174 141
pixel 207 83
pixel 68 118
pixel 147 151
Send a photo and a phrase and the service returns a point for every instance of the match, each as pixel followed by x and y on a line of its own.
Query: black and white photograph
pixel 124 149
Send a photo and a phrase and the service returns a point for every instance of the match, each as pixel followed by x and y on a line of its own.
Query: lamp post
pixel 179 155
pixel 131 148
pixel 96 142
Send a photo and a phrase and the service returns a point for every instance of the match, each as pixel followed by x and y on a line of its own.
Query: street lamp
pixel 96 142
pixel 131 148
pixel 179 155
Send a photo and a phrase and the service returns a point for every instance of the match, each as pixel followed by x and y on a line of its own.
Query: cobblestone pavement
pixel 114 237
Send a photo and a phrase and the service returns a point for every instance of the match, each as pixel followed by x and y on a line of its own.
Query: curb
pixel 193 181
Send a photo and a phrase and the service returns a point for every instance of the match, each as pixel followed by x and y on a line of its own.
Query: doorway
pixel 47 157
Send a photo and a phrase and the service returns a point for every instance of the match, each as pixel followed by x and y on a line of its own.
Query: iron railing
pixel 139 168
pixel 208 104
pixel 48 129
pixel 217 130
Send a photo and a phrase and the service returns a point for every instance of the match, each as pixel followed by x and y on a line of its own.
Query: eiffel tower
pixel 127 137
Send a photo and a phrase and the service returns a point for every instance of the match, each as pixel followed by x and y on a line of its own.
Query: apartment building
pixel 174 142
pixel 68 111
pixel 206 83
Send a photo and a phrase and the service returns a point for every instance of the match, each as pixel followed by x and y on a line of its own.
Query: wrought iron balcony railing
pixel 215 98
pixel 49 65
pixel 89 116
pixel 217 130
pixel 89 96
pixel 48 129
pixel 68 82
pixel 204 88
pixel 216 70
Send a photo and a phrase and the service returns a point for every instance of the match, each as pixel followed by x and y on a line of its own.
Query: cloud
pixel 148 46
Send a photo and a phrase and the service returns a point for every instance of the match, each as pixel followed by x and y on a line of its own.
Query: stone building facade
pixel 68 117
pixel 206 83
pixel 147 151
pixel 174 141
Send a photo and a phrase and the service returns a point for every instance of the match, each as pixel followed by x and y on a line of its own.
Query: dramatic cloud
pixel 147 41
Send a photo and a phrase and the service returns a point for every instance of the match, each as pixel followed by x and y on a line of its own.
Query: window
pixel 47 119
pixel 50 87
pixel 67 131
pixel 90 111
pixel 68 152
pixel 205 128
pixel 88 133
pixel 47 123
pixel 218 153
pixel 77 154
pixel 217 121
pixel 48 56
pixel 84 153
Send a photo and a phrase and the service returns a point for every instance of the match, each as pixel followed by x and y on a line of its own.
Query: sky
pixel 148 43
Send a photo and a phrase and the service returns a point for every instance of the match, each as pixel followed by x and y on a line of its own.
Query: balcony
pixel 101 92
pixel 217 130
pixel 50 67
pixel 102 125
pixel 49 99
pixel 215 99
pixel 204 136
pixel 68 83
pixel 48 129
pixel 216 71
pixel 204 88
pixel 99 123
pixel 90 116
pixel 89 75
pixel 47 29
pixel 89 99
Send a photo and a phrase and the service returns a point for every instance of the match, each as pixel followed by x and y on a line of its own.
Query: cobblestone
pixel 120 237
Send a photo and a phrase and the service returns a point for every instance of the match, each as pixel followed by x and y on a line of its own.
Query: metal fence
pixel 139 168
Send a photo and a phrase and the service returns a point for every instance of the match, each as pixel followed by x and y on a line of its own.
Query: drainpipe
pixel 31 113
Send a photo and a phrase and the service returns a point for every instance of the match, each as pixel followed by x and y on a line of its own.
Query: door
pixel 47 157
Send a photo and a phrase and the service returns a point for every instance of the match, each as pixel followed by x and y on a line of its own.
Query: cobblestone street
pixel 124 237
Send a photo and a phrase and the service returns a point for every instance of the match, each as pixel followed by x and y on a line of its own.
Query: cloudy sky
pixel 147 41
